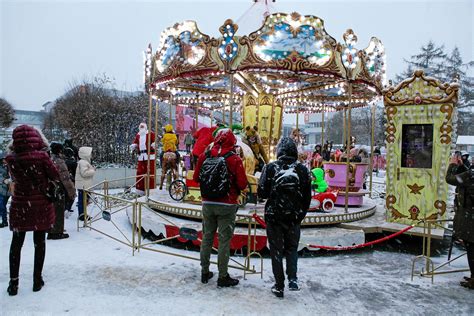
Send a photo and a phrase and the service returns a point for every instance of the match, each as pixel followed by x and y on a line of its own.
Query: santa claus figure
pixel 140 146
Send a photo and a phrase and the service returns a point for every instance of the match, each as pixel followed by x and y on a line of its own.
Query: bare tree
pixel 7 114
pixel 102 118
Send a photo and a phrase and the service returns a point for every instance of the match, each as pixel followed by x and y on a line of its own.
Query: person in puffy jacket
pixel 318 183
pixel 30 210
pixel 84 176
pixel 67 188
pixel 283 232
pixel 219 213
pixel 170 142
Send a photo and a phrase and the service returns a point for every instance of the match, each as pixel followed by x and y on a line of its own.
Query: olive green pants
pixel 219 218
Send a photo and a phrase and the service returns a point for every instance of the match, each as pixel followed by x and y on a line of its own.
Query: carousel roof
pixel 291 57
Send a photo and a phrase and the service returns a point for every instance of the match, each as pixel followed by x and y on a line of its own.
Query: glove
pixel 133 147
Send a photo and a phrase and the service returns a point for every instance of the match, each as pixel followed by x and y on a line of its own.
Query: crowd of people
pixel 286 184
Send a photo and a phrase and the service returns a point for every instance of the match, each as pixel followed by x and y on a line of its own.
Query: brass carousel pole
pixel 231 103
pixel 297 117
pixel 147 182
pixel 371 165
pixel 348 145
pixel 169 109
pixel 344 127
pixel 322 128
pixel 156 134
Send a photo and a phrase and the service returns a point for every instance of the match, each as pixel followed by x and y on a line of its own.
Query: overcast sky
pixel 47 45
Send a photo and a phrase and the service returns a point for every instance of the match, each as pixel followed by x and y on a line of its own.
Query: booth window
pixel 417 146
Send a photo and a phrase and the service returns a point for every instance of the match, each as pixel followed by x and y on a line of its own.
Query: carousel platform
pixel 165 218
pixel 163 203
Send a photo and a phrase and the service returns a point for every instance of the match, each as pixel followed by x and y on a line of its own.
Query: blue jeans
pixel 3 208
pixel 80 202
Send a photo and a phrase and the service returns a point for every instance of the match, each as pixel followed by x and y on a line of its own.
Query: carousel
pixel 289 65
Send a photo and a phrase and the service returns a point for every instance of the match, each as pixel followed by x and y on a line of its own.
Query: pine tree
pixel 456 68
pixel 430 60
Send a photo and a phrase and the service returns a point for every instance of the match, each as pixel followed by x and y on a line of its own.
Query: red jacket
pixel 225 142
pixel 203 137
pixel 30 167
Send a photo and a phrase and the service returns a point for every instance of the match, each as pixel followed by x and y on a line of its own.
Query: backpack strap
pixel 228 154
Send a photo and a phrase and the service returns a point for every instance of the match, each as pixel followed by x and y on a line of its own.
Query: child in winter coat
pixel 84 175
pixel 318 183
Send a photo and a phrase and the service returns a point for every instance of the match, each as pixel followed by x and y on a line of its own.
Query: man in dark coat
pixel 463 178
pixel 30 210
pixel 71 164
pixel 68 192
pixel 283 231
pixel 219 213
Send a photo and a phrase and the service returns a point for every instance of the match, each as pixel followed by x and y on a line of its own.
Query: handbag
pixel 54 191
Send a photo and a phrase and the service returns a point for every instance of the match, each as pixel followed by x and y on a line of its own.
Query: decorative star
pixel 415 188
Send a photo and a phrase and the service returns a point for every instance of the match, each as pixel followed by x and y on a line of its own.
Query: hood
pixel 287 148
pixel 224 142
pixel 169 128
pixel 28 138
pixel 318 174
pixel 85 153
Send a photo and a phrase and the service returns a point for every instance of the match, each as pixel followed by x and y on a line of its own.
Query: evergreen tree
pixel 430 59
pixel 456 68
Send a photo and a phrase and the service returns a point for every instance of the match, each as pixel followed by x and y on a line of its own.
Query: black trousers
pixel 15 253
pixel 470 256
pixel 283 239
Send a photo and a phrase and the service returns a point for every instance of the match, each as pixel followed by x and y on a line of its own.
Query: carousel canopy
pixel 291 57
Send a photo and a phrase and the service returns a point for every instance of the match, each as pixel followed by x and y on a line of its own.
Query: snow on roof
pixel 465 140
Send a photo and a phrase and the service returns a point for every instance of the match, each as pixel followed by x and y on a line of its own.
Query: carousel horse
pixel 169 164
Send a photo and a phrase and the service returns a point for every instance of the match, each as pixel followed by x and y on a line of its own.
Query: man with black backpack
pixel 221 176
pixel 462 177
pixel 286 183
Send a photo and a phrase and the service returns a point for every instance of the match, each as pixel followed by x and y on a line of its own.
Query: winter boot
pixel 38 284
pixel 468 284
pixel 277 291
pixel 4 223
pixel 56 236
pixel 13 287
pixel 293 285
pixel 205 277
pixel 227 281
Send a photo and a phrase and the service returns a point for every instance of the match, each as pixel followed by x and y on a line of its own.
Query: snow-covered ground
pixel 90 274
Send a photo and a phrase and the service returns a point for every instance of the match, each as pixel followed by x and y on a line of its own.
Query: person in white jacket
pixel 84 175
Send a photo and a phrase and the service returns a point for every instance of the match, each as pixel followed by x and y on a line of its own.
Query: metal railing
pixel 430 270
pixel 108 205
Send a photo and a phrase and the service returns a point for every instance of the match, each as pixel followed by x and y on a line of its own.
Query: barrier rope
pixel 260 220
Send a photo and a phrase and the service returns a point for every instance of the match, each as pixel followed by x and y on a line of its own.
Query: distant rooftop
pixel 465 140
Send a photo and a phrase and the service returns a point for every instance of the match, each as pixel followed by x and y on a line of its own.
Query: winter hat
pixel 56 148
pixel 287 147
pixel 68 152
pixel 169 128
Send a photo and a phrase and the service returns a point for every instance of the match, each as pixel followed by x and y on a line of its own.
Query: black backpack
pixel 214 179
pixel 286 192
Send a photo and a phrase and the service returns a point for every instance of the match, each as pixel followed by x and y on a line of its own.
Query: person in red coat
pixel 203 137
pixel 219 213
pixel 30 210
pixel 140 146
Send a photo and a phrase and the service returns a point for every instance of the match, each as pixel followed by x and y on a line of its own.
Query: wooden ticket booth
pixel 419 114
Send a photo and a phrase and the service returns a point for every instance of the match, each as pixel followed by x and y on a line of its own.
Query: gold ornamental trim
pixel 449 92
